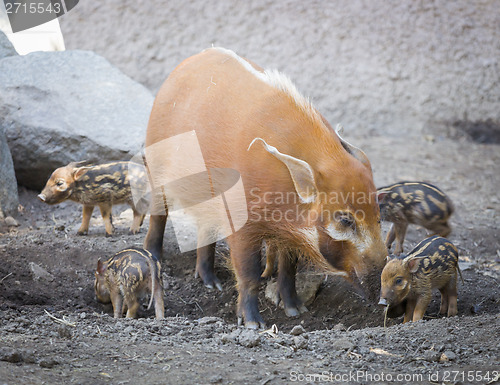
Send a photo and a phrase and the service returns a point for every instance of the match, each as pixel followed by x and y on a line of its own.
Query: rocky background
pixel 416 85
pixel 379 67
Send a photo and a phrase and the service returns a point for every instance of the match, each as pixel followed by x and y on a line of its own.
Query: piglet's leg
pixel 86 215
pixel 421 307
pixel 443 309
pixel 159 305
pixel 132 305
pixel 400 229
pixel 391 235
pixel 452 296
pixel 271 252
pixel 106 216
pixel 117 302
pixel 137 222
pixel 410 307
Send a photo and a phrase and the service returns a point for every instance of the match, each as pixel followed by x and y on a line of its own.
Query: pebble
pixel 249 338
pixel 297 330
pixel 10 355
pixel 11 222
pixel 342 344
pixel 447 355
pixel 48 362
pixel 300 342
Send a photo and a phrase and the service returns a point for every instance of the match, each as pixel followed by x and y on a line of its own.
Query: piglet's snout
pixel 42 197
pixel 383 302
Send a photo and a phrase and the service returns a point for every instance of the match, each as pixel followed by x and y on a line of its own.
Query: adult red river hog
pixel 244 153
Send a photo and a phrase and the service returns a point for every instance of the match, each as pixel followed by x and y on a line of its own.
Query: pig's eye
pixel 344 218
pixel 59 183
pixel 398 281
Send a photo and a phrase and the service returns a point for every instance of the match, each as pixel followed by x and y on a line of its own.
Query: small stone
pixel 217 379
pixel 10 355
pixel 447 356
pixel 253 361
pixel 83 315
pixel 48 362
pixel 340 327
pixel 64 332
pixel 297 330
pixel 39 273
pixel 249 338
pixel 11 222
pixel 208 320
pixel 431 356
pixel 300 342
pixel 342 344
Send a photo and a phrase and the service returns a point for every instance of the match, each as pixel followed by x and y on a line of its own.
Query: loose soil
pixel 52 330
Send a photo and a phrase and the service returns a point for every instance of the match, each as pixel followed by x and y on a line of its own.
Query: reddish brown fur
pixel 229 107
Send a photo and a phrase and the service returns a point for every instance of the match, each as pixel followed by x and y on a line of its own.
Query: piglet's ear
pixel 381 196
pixel 413 264
pixel 80 172
pixel 100 267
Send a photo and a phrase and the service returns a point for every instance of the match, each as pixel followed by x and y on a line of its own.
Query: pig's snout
pixel 42 197
pixel 383 302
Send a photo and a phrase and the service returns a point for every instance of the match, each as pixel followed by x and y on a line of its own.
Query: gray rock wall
pixel 395 67
pixel 58 107
pixel 6 47
pixel 9 199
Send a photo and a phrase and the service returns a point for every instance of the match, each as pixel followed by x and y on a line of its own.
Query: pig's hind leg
pixel 287 268
pixel 245 257
pixel 205 262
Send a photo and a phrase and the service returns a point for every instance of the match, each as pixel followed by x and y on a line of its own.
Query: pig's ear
pixel 353 150
pixel 300 171
pixel 80 172
pixel 413 264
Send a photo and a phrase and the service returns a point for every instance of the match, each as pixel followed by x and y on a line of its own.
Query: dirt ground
pixel 52 330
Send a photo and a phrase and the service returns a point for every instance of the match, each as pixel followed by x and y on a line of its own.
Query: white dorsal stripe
pixel 277 80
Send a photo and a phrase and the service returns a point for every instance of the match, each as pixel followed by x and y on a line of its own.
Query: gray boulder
pixel 6 47
pixel 58 107
pixel 9 199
